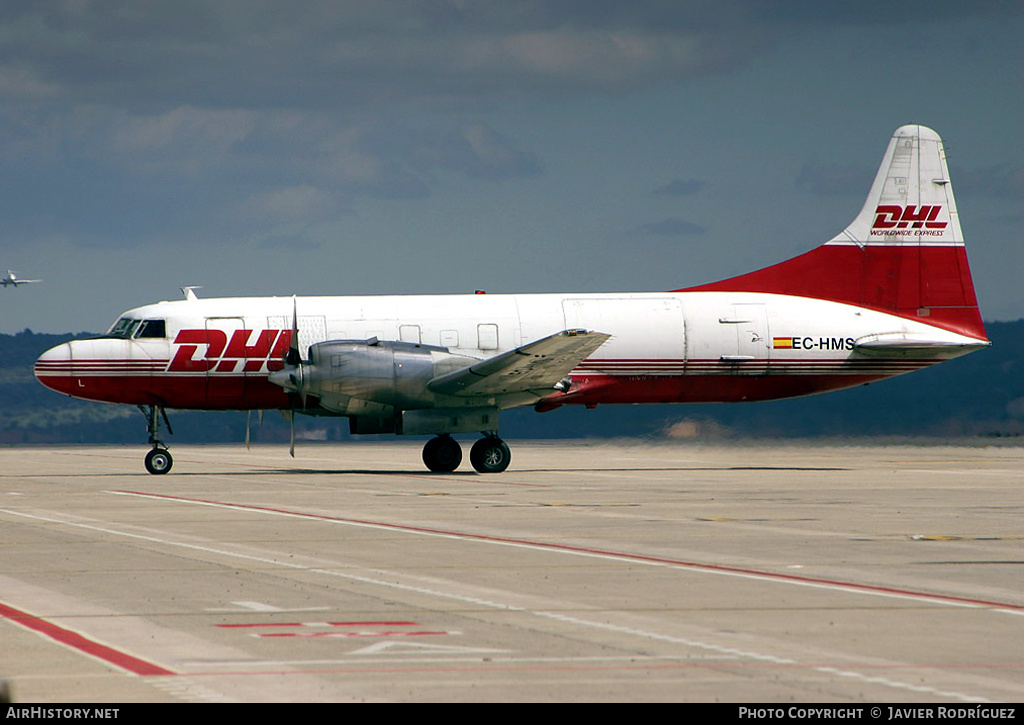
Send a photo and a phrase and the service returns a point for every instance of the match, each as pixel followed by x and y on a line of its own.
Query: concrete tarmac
pixel 589 571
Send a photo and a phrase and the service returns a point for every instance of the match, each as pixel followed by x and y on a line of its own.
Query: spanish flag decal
pixel 782 343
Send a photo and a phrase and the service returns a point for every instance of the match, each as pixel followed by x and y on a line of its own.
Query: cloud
pixel 828 179
pixel 473 149
pixel 681 187
pixel 671 227
pixel 1002 181
pixel 113 174
pixel 350 53
pixel 298 203
pixel 126 120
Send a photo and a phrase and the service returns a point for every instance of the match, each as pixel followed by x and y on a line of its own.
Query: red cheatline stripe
pixel 83 644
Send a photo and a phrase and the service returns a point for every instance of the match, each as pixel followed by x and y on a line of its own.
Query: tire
pixel 159 461
pixel 442 454
pixel 490 455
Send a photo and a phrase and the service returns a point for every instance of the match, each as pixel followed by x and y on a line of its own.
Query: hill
pixel 979 395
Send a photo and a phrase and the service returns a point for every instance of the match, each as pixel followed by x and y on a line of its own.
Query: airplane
pixel 890 294
pixel 14 280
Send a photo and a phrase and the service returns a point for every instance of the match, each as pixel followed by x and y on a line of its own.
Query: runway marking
pixel 794 579
pixel 404 648
pixel 499 605
pixel 319 624
pixel 83 644
pixel 261 607
pixel 344 635
pixel 185 689
pixel 332 629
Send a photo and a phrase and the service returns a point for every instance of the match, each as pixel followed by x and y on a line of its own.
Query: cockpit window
pixel 123 328
pixel 151 328
pixel 127 328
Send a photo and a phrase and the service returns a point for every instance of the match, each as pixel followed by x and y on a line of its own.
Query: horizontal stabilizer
pixel 899 342
pixel 539 365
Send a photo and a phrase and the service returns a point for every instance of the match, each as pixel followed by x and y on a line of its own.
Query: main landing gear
pixel 158 460
pixel 443 454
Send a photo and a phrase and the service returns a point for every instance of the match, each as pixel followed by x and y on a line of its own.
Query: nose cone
pixel 54 368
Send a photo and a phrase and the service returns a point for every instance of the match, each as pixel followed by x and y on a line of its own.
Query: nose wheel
pixel 159 461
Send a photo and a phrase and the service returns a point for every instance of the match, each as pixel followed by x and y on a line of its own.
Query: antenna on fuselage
pixel 190 292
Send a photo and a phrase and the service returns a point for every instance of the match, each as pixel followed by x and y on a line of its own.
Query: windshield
pixel 123 328
pixel 126 328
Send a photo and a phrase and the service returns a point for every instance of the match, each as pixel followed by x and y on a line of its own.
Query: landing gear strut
pixel 443 454
pixel 158 460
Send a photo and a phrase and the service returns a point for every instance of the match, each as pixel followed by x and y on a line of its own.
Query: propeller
pixel 292 376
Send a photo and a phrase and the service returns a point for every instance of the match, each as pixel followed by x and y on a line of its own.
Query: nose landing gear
pixel 158 460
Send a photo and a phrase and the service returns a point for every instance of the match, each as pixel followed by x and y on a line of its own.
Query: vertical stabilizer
pixel 911 200
pixel 903 253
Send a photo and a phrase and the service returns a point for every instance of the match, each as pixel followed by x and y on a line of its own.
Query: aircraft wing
pixel 539 365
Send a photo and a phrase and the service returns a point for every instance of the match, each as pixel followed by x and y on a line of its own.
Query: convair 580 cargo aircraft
pixel 890 294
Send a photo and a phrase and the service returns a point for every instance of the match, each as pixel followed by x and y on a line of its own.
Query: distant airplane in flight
pixel 890 294
pixel 13 280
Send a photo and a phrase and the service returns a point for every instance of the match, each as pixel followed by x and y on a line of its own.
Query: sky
pixel 256 147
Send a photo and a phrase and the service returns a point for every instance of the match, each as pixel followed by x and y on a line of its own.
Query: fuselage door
pixel 753 345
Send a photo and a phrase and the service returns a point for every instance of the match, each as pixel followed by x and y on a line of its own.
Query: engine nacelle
pixel 363 377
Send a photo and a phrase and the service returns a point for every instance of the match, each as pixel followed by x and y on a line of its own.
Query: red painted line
pixel 767 575
pixel 83 644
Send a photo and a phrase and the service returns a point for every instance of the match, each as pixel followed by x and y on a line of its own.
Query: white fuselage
pixel 664 347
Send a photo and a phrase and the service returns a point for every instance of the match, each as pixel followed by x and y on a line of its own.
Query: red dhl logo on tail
pixel 223 356
pixel 888 217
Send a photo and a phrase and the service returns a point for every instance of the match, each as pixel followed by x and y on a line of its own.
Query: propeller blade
pixel 290 417
pixel 291 376
pixel 294 357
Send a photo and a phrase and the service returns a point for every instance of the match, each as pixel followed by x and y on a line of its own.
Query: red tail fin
pixel 903 254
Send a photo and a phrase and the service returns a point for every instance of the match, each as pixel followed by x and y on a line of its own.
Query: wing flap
pixel 538 365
